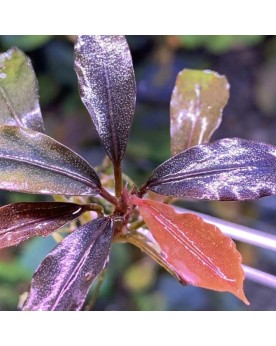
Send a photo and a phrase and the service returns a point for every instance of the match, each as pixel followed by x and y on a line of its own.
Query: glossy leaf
pixel 107 88
pixel 198 99
pixel 64 277
pixel 197 251
pixel 21 221
pixel 35 163
pixel 19 100
pixel 228 169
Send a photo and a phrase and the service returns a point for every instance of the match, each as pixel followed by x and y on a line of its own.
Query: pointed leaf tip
pixel 19 99
pixel 64 277
pixel 196 251
pixel 228 169
pixel 107 87
pixel 197 101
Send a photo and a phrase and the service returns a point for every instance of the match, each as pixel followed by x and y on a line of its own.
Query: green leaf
pixel 25 42
pixel 197 102
pixel 35 163
pixel 19 101
pixel 219 44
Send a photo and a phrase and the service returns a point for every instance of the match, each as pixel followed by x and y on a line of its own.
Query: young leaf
pixel 198 99
pixel 197 251
pixel 21 221
pixel 107 87
pixel 228 169
pixel 64 277
pixel 19 101
pixel 35 163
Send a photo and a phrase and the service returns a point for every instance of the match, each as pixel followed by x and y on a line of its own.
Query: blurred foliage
pixel 24 42
pixel 132 281
pixel 218 44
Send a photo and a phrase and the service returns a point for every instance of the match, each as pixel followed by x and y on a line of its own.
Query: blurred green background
pixel 133 281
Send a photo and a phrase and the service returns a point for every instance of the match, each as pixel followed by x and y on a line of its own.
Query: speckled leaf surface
pixel 64 277
pixel 197 251
pixel 19 100
pixel 21 221
pixel 197 101
pixel 228 169
pixel 35 163
pixel 107 87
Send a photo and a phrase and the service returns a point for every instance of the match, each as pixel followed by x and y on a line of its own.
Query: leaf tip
pixel 239 293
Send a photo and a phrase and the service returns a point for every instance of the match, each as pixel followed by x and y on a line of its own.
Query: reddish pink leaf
pixel 197 251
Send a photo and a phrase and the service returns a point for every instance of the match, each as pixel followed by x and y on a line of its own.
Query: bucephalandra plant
pixel 194 251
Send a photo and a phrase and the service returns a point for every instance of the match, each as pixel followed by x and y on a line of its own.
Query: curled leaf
pixel 35 163
pixel 107 87
pixel 21 221
pixel 64 277
pixel 19 100
pixel 197 251
pixel 228 169
pixel 197 101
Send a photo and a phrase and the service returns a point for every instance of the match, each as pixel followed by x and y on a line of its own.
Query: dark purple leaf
pixel 35 163
pixel 19 101
pixel 21 221
pixel 107 88
pixel 228 169
pixel 63 279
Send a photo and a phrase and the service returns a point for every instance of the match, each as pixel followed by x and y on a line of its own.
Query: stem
pixel 113 200
pixel 110 198
pixel 118 179
pixel 142 190
pixel 135 225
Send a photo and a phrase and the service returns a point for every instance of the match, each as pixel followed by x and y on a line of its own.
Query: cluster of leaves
pixel 194 251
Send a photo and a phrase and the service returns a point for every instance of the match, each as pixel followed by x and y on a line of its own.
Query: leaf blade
pixel 197 251
pixel 107 87
pixel 19 100
pixel 64 277
pixel 21 221
pixel 35 163
pixel 228 169
pixel 197 101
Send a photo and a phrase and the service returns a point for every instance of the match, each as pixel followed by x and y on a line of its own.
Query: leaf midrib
pixel 177 177
pixel 79 264
pixel 49 168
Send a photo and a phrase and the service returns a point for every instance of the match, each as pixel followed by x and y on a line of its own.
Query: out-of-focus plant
pixel 216 44
pixel 25 42
pixel 192 250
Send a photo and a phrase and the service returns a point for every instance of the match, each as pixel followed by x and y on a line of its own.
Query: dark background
pixel 134 281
